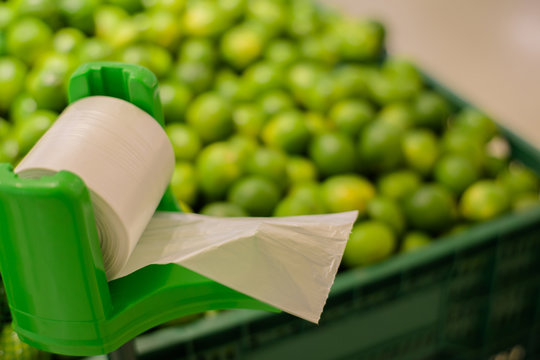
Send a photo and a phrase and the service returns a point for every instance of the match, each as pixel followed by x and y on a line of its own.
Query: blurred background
pixel 486 50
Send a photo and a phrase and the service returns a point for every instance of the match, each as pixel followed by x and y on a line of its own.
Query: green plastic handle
pixel 51 261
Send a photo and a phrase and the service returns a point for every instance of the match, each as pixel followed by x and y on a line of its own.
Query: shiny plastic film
pixel 126 160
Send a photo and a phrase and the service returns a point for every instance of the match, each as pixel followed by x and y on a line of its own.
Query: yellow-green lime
pixel 184 183
pixel 204 18
pixel 248 119
pixel 185 141
pixel 175 99
pixel 261 77
pixel 370 242
pixel 414 241
pixel 473 121
pixel 218 167
pixel 399 184
pixel 399 114
pixel 460 142
pixel 347 192
pixel 517 179
pixel 12 75
pixel 211 116
pixel 484 200
pixel 281 51
pixel 223 209
pixel 351 116
pixel 275 101
pixel 27 38
pixel 421 150
pixel 301 170
pixel 525 201
pixel 257 195
pixel 241 45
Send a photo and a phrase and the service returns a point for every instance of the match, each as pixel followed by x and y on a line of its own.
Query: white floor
pixel 486 50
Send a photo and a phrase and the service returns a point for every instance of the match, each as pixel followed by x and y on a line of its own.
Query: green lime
pixel 370 242
pixel 5 128
pixel 7 15
pixel 198 50
pixel 459 142
pixel 397 80
pixel 29 130
pixel 197 75
pixel 12 76
pixel 415 240
pixel 295 206
pixel 525 201
pixel 159 27
pixel 155 58
pixel 232 9
pixel 185 141
pixel 387 211
pixel 398 114
pixel 271 13
pixel 477 123
pixel 204 18
pixel 94 49
pixel 114 25
pixel 304 18
pixel 281 51
pixel 268 163
pixel 397 185
pixel 303 76
pixel 517 179
pixel 275 101
pixel 245 145
pixel 301 170
pixel 248 119
pixel 47 82
pixel 241 45
pixel 321 95
pixel 228 84
pixel 175 99
pixel 13 348
pixel 9 150
pixel 22 106
pixel 257 195
pixel 80 13
pixel 223 209
pixel 130 6
pixel 317 124
pixel 421 150
pixel 287 131
pixel 484 200
pixel 431 208
pixel 322 47
pixel 333 153
pixel 261 77
pixel 347 192
pixel 173 6
pixel 456 172
pixel 351 80
pixel 358 40
pixel 379 147
pixel 184 183
pixel 309 195
pixel 351 116
pixel 218 167
pixel 211 116
pixel 67 40
pixel 431 109
pixel 27 38
pixel 45 10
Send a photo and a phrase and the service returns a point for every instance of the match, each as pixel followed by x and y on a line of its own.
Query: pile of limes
pixel 274 108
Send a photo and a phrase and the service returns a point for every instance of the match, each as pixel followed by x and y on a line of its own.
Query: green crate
pixel 468 296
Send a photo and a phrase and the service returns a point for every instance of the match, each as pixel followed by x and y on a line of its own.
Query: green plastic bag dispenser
pixel 51 261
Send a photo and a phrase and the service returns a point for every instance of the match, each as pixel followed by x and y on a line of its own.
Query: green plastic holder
pixel 51 262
